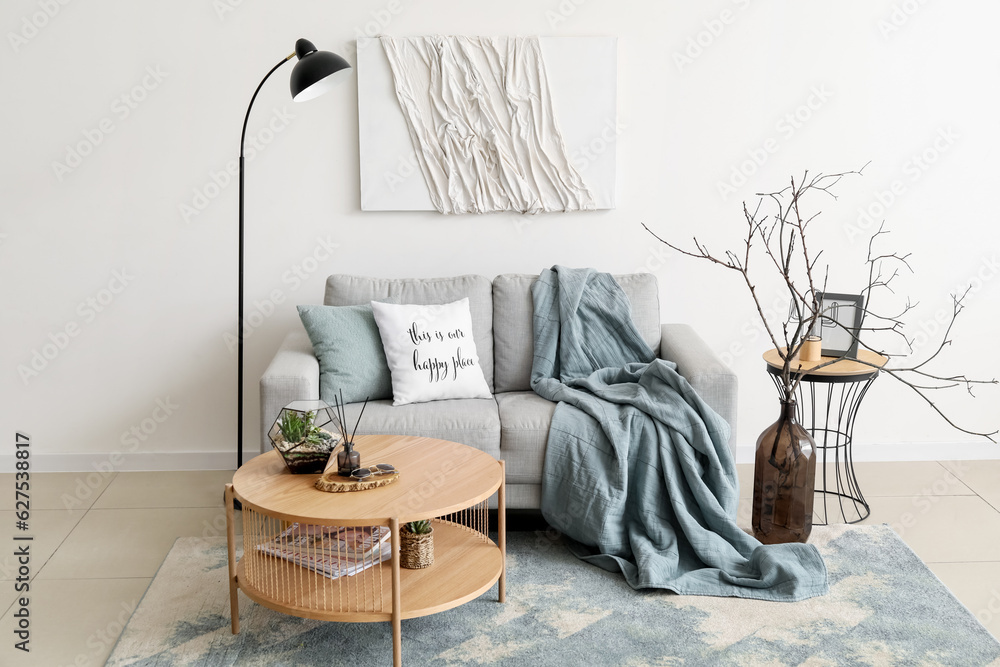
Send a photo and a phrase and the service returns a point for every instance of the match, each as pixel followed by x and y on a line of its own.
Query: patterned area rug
pixel 884 608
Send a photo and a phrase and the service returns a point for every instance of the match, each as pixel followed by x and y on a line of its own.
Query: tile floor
pixel 99 541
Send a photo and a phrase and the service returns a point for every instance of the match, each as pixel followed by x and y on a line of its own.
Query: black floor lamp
pixel 312 76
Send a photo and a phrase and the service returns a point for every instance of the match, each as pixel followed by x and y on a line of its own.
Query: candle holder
pixel 811 348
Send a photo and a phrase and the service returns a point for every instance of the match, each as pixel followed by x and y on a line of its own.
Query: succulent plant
pixel 318 436
pixel 295 427
pixel 419 527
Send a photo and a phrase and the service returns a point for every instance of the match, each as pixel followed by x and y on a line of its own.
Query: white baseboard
pixel 136 461
pixel 907 451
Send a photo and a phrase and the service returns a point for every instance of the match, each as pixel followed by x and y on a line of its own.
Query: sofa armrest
pixel 711 378
pixel 293 375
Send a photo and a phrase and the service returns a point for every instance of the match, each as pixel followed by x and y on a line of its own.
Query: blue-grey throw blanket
pixel 637 468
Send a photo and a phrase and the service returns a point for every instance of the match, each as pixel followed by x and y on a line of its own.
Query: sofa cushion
pixel 346 290
pixel 524 430
pixel 346 342
pixel 513 338
pixel 430 351
pixel 472 421
pixel 524 497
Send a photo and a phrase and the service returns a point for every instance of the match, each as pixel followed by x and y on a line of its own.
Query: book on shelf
pixel 333 551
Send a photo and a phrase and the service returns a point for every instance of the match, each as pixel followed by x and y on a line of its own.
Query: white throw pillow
pixel 430 350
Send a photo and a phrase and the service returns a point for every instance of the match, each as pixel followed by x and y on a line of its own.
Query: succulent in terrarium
pixel 295 425
pixel 303 443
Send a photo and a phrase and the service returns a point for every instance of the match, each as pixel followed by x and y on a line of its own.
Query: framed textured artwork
pixel 483 124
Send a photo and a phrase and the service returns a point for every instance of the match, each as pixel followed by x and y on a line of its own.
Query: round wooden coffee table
pixel 446 482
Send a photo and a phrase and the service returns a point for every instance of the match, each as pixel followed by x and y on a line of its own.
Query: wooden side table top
pixel 436 477
pixel 843 367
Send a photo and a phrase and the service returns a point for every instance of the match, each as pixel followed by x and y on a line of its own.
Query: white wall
pixel 928 86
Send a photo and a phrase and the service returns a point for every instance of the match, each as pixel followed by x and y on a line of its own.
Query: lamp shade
pixel 316 72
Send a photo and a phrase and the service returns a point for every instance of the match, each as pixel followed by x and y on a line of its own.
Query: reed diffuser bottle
pixel 348 458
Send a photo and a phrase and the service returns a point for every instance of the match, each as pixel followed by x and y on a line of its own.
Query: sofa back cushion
pixel 346 290
pixel 513 337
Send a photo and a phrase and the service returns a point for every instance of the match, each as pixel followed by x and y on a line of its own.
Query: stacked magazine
pixel 333 551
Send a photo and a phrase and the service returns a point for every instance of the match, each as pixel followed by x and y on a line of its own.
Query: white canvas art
pixel 582 75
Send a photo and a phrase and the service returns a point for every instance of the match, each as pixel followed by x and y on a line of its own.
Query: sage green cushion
pixel 346 342
pixel 346 290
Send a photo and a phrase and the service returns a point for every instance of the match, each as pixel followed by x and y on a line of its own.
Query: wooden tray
pixel 332 482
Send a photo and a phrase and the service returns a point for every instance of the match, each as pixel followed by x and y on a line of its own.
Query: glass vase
pixel 783 480
pixel 348 460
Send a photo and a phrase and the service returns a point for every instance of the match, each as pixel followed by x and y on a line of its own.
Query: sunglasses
pixel 378 469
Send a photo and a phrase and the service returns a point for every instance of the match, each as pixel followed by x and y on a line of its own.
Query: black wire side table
pixel 829 417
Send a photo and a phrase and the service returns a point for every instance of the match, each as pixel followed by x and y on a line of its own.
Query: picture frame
pixel 840 323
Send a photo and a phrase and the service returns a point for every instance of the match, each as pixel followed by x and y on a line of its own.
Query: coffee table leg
pixel 397 603
pixel 502 531
pixel 234 601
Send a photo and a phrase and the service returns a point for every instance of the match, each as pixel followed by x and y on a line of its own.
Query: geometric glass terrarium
pixel 300 438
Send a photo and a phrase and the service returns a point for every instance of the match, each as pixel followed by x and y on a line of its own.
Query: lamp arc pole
pixel 312 76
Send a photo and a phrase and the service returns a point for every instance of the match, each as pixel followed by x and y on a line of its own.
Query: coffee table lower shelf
pixel 466 565
pixel 447 483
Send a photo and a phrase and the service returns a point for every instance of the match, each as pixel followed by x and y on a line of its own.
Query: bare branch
pixel 782 238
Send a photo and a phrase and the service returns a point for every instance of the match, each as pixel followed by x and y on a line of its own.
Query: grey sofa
pixel 514 424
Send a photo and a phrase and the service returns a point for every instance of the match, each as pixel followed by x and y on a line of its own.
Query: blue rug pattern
pixel 885 607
